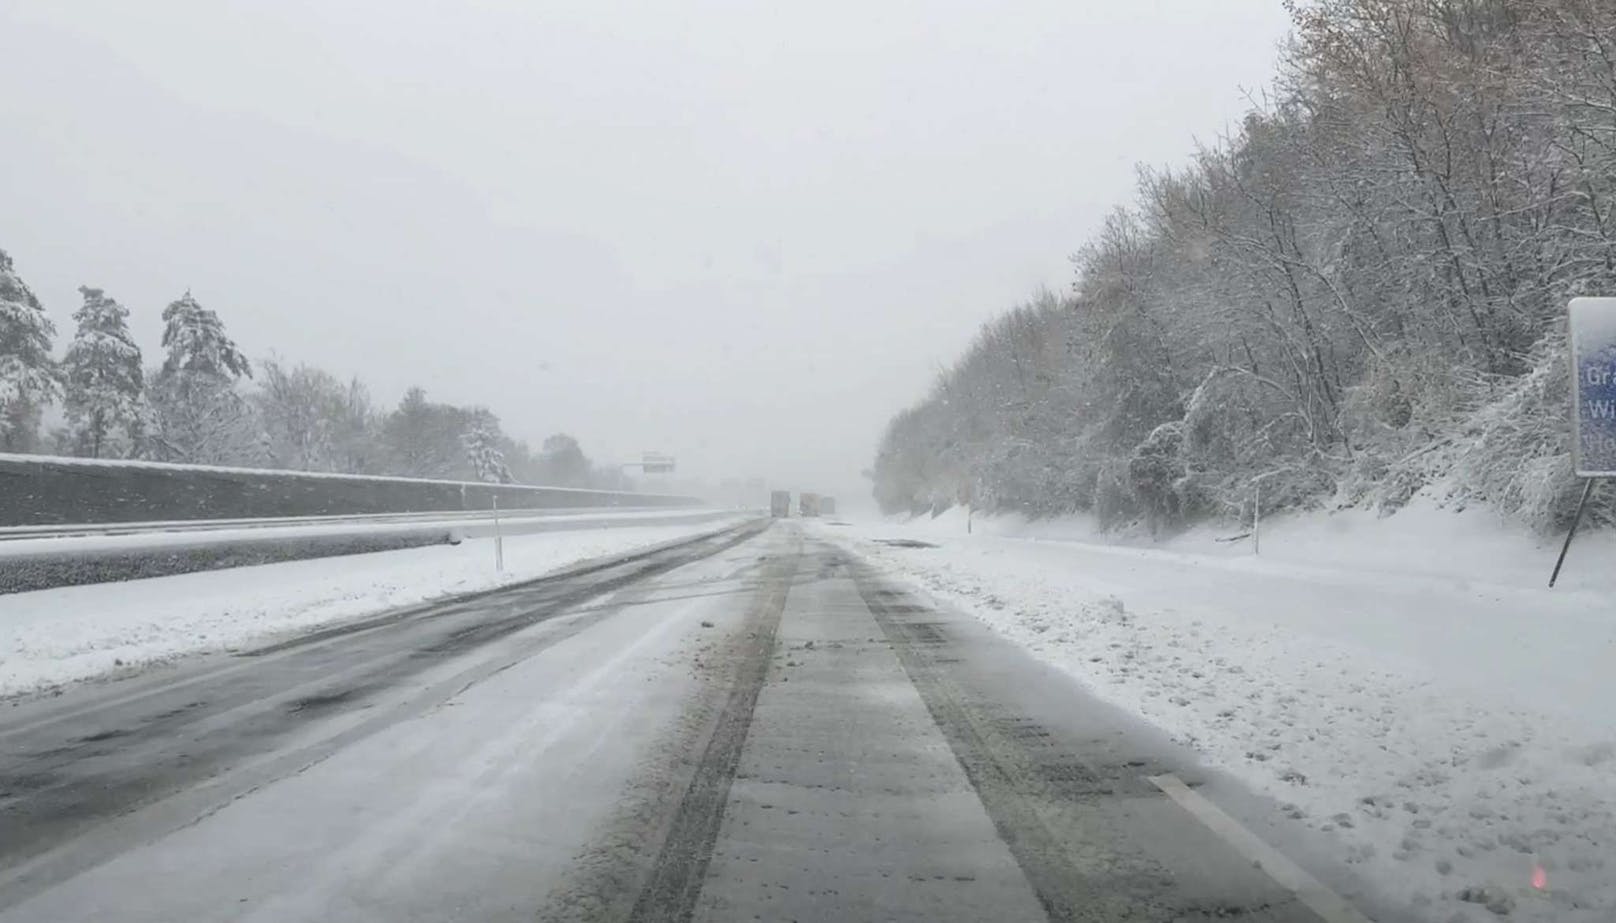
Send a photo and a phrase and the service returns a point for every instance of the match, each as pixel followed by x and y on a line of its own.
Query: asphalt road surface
pixel 749 726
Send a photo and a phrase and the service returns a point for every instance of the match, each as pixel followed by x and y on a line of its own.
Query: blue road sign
pixel 1593 385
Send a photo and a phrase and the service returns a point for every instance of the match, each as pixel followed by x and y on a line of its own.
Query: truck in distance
pixel 780 504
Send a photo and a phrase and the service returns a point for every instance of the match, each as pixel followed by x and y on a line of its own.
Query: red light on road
pixel 1540 878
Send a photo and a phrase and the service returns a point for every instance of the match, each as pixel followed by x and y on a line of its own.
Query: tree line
pixel 207 403
pixel 1355 297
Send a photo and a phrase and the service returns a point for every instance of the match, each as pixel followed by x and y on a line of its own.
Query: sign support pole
pixel 1582 504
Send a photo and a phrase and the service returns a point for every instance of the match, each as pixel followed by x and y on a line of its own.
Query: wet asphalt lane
pixel 752 726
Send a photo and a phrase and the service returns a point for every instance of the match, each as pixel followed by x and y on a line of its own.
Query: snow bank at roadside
pixel 48 637
pixel 184 537
pixel 1406 686
pixel 1420 540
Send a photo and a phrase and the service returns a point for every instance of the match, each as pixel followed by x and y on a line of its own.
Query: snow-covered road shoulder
pixel 56 636
pixel 1452 737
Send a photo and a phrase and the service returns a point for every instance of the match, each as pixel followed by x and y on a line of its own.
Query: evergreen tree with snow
pixel 482 449
pixel 564 464
pixel 425 439
pixel 102 376
pixel 27 374
pixel 197 414
pixel 197 344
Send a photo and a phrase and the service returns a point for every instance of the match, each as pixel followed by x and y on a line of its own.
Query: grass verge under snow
pixel 1405 686
pixel 56 636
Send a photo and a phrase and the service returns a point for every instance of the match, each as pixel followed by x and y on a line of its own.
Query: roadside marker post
pixel 1256 517
pixel 1256 508
pixel 499 542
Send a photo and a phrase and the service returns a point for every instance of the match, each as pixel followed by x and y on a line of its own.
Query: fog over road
pixel 749 725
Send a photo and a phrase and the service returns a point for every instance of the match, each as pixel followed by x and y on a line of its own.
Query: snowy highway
pixel 748 724
pixel 1070 461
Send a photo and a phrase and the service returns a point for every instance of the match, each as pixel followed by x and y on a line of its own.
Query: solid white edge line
pixel 1331 907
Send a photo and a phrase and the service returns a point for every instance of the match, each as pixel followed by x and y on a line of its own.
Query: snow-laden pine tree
pixel 196 342
pixel 423 439
pixel 563 462
pixel 197 414
pixel 482 449
pixel 102 378
pixel 27 374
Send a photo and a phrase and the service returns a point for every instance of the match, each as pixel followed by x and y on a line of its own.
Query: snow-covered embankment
pixel 1407 687
pixel 55 636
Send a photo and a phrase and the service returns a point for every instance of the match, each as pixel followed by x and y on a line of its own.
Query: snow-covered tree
pixel 422 438
pixel 482 450
pixel 28 377
pixel 1357 295
pixel 313 422
pixel 196 342
pixel 355 431
pixel 102 377
pixel 198 416
pixel 563 463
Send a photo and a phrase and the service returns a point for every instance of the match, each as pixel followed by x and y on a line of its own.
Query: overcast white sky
pixel 741 233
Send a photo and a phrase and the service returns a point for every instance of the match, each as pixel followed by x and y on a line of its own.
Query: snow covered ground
pixel 1406 686
pixel 178 536
pixel 55 636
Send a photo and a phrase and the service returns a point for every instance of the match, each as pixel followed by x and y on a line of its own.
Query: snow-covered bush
pixel 1155 471
pixel 1243 430
pixel 1397 420
pixel 1514 450
pixel 1114 503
